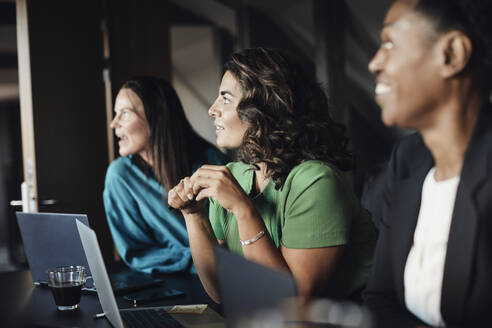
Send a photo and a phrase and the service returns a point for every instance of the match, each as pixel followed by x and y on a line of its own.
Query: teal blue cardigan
pixel 148 236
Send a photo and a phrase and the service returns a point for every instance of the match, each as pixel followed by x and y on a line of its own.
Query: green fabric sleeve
pixel 317 210
pixel 216 216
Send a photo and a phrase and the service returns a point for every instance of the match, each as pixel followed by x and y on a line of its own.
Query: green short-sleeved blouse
pixel 314 208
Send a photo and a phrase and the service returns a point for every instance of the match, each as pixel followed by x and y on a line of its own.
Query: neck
pixel 261 179
pixel 449 135
pixel 261 173
pixel 145 155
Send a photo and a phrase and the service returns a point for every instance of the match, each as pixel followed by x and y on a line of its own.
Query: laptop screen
pixel 100 275
pixel 51 240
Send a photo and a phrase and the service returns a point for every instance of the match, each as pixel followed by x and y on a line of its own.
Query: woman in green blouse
pixel 285 204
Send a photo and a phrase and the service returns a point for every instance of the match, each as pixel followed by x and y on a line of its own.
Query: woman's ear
pixel 456 48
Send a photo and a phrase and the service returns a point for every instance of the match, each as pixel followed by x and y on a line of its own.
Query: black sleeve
pixel 380 295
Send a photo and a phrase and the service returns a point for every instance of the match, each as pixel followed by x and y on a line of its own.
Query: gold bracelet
pixel 252 240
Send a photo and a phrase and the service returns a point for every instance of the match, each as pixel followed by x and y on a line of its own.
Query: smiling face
pixel 408 82
pixel 130 124
pixel 229 128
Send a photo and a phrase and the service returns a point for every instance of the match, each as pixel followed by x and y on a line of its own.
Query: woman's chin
pixel 123 153
pixel 223 146
pixel 388 117
pixel 221 143
pixel 227 142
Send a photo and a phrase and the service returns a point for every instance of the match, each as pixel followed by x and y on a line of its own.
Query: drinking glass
pixel 66 285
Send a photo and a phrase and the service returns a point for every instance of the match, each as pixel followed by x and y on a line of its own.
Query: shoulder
pixel 409 154
pixel 314 179
pixel 117 176
pixel 243 173
pixel 238 167
pixel 311 171
pixel 122 170
pixel 119 167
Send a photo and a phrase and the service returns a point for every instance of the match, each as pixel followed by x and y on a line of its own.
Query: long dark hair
pixel 473 18
pixel 174 145
pixel 287 112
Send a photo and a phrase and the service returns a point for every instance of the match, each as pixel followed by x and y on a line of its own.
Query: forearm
pixel 262 251
pixel 202 241
pixel 310 267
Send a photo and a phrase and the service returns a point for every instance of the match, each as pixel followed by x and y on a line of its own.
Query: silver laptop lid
pixel 99 274
pixel 51 240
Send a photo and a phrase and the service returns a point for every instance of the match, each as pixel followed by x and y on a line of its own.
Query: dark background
pixel 81 51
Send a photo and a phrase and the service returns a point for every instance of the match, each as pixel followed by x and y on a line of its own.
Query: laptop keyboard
pixel 148 318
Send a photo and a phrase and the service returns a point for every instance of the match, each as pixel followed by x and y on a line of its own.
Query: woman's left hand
pixel 218 183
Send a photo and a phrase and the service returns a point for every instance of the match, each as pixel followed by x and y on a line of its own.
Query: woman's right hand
pixel 182 197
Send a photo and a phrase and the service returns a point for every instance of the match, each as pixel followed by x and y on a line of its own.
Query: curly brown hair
pixel 287 113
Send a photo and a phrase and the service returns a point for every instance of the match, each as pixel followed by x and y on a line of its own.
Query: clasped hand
pixel 209 181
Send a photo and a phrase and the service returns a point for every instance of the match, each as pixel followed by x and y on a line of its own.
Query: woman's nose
pixel 212 111
pixel 113 123
pixel 375 65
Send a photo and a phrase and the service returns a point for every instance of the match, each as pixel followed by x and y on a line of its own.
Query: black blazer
pixel 466 298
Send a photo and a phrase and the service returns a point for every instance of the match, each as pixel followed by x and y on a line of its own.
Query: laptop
pixel 52 240
pixel 142 317
pixel 247 287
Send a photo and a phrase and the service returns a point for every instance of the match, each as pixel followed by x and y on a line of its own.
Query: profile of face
pixel 130 124
pixel 407 68
pixel 229 128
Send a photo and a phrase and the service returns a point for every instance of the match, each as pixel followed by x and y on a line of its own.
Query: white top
pixel 425 263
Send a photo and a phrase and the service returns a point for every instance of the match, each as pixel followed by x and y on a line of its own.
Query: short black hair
pixel 472 17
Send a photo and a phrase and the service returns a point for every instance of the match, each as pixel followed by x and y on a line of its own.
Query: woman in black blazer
pixel 434 76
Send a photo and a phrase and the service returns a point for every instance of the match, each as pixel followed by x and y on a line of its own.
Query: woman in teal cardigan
pixel 158 147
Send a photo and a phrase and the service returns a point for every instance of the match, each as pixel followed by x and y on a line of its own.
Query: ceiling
pixel 294 15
